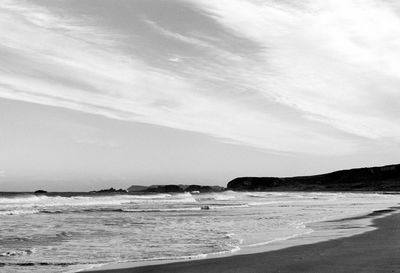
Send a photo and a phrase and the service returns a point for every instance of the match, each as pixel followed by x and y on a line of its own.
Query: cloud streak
pixel 334 60
pixel 304 78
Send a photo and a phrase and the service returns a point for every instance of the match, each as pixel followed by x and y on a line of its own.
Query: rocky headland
pixel 385 178
pixel 174 188
pixel 110 190
pixel 39 192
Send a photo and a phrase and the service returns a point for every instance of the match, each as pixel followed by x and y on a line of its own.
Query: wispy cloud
pixel 335 60
pixel 177 36
pixel 321 74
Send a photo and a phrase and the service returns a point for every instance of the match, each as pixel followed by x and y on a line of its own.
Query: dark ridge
pixel 136 188
pixel 164 188
pixel 40 192
pixel 175 188
pixel 386 178
pixel 110 190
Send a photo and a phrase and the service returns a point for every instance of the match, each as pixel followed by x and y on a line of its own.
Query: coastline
pixel 367 233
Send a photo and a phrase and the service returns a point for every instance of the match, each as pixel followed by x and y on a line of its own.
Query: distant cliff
pixel 136 188
pixel 174 188
pixel 386 178
pixel 110 190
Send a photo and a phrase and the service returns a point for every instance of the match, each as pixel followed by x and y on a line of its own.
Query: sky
pixel 98 93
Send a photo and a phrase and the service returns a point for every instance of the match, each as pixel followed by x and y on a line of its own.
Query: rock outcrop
pixel 164 188
pixel 386 178
pixel 199 188
pixel 136 188
pixel 175 188
pixel 110 190
pixel 40 192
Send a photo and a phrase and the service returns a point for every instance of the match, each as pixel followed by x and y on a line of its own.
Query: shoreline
pixel 359 225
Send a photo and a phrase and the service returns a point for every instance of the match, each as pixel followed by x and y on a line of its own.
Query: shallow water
pixel 64 233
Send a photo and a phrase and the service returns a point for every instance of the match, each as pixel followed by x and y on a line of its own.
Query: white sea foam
pixel 223 196
pixel 18 211
pixel 162 209
pixel 164 258
pixel 32 204
pixel 263 203
pixel 306 231
pixel 32 200
pixel 18 252
pixel 226 207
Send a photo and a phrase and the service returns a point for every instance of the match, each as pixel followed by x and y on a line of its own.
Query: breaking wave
pixel 33 200
pixel 13 253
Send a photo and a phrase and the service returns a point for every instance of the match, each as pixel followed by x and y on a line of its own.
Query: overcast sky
pixel 98 93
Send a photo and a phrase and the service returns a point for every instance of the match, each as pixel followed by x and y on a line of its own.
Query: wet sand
pixel 374 251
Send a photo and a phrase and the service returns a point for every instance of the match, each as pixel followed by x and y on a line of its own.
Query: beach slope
pixel 373 251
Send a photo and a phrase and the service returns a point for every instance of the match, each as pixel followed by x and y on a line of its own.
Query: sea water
pixel 69 232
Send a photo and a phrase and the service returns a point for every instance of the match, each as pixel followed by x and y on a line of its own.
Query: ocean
pixel 67 232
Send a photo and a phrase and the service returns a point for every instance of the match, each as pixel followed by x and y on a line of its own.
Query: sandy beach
pixel 374 251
